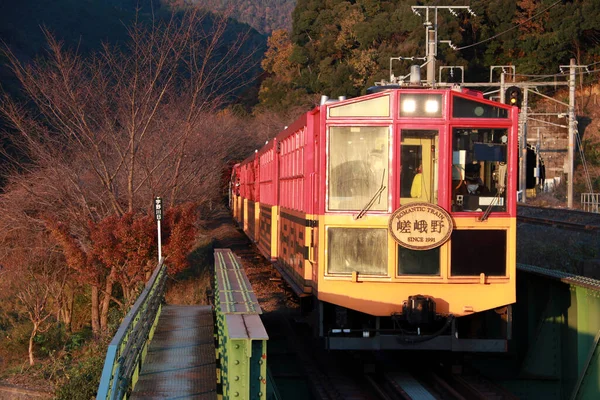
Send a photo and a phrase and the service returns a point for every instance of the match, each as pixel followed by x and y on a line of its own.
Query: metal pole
pixel 572 122
pixel 158 212
pixel 159 242
pixel 523 159
pixel 502 79
pixel 431 57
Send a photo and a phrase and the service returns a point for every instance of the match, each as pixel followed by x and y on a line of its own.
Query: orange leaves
pixel 180 236
pixel 76 257
pixel 126 243
pixel 277 57
pixel 126 246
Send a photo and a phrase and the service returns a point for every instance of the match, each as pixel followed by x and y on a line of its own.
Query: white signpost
pixel 158 216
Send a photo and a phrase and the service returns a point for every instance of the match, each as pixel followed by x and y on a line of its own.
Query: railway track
pixel 469 386
pixel 297 365
pixel 425 377
pixel 575 220
pixel 301 370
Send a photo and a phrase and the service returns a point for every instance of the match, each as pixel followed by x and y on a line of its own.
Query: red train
pixel 393 216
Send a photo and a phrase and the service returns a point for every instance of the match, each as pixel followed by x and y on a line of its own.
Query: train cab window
pixel 474 252
pixel 358 168
pixel 465 108
pixel 419 168
pixel 479 169
pixel 418 262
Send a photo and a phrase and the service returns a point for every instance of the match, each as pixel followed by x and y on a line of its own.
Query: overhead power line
pixel 512 28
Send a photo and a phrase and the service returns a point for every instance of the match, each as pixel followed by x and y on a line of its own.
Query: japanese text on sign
pixel 420 226
pixel 158 208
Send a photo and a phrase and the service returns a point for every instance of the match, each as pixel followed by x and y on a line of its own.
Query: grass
pixel 191 286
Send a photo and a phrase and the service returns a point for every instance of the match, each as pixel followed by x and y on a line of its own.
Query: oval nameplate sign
pixel 421 226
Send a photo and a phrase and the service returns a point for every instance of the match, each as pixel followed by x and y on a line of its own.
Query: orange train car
pixel 393 216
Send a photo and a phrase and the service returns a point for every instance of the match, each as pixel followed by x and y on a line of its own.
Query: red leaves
pixel 127 246
pixel 179 236
pixel 76 257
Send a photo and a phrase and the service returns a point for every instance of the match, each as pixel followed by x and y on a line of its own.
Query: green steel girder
pixel 588 328
pixel 241 337
pixel 557 335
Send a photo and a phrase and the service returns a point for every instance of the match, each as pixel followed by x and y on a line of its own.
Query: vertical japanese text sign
pixel 158 215
pixel 158 208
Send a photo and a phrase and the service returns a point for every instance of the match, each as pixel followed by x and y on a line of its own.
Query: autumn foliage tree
pixel 98 137
pixel 123 252
pixel 34 279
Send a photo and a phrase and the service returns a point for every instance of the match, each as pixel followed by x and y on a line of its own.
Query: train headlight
pixel 432 106
pixel 409 106
pixel 421 105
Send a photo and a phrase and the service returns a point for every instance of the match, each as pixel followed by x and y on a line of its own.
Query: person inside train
pixel 471 189
pixel 474 186
pixel 417 183
pixel 473 182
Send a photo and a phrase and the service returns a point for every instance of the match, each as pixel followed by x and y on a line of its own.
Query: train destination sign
pixel 421 226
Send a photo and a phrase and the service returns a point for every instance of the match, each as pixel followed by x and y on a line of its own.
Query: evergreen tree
pixel 341 47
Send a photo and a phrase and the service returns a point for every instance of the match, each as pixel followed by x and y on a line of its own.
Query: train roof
pixel 474 103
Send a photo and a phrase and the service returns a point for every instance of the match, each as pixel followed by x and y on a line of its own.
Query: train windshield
pixel 358 160
pixel 479 169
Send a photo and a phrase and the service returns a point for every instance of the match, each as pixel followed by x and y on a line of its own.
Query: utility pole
pixel 523 146
pixel 431 36
pixel 431 52
pixel 572 123
pixel 431 40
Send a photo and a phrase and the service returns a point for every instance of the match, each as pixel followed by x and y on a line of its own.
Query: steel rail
pixel 559 224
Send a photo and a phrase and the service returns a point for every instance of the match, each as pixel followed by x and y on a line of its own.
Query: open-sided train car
pixel 393 216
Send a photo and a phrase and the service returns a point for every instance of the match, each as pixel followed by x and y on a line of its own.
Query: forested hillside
pixel 84 26
pixel 104 107
pixel 342 47
pixel 263 15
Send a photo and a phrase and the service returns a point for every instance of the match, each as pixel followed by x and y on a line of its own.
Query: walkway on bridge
pixel 181 357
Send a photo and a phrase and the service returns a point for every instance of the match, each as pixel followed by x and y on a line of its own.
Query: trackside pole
pixel 158 215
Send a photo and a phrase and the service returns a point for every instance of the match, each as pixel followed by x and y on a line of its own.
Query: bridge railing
pixel 242 338
pixel 590 202
pixel 128 348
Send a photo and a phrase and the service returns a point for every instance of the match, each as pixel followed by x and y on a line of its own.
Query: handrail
pixel 128 347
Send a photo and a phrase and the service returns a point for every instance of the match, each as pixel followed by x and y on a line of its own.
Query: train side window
pixel 479 169
pixel 419 167
pixel 358 168
pixel 418 262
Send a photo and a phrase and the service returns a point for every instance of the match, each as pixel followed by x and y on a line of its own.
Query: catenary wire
pixel 510 29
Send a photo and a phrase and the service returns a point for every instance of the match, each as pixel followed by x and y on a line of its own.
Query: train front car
pixel 415 228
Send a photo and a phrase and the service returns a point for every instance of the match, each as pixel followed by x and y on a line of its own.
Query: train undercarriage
pixel 340 328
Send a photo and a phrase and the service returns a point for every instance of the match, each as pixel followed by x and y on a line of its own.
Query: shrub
pixel 82 378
